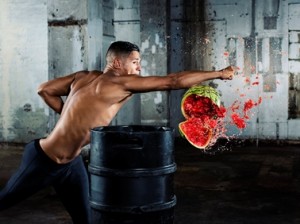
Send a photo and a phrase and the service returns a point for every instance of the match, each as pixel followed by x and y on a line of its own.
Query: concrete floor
pixel 246 184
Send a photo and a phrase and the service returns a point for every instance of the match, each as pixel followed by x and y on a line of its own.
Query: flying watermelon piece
pixel 200 106
pixel 200 100
pixel 196 133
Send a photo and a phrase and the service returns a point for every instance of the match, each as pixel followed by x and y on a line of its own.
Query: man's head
pixel 123 55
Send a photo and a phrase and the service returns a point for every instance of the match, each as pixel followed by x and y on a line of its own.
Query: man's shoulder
pixel 86 73
pixel 95 72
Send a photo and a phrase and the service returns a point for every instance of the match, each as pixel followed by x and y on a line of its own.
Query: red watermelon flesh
pixel 198 134
pixel 198 106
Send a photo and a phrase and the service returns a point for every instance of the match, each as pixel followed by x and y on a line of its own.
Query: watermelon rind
pixel 204 91
pixel 182 133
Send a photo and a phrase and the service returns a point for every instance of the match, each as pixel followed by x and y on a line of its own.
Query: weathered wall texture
pixel 154 105
pixel 41 40
pixel 23 66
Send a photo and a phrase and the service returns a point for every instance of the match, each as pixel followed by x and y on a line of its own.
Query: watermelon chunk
pixel 196 132
pixel 200 106
pixel 199 100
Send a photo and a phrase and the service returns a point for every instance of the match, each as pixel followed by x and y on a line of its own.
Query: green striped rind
pixel 180 130
pixel 201 90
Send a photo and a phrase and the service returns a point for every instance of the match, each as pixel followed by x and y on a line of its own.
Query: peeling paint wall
pixel 41 40
pixel 154 105
pixel 23 66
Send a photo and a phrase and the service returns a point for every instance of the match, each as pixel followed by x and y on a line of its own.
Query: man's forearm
pixel 188 78
pixel 54 102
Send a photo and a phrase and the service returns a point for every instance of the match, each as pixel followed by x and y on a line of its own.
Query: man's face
pixel 131 64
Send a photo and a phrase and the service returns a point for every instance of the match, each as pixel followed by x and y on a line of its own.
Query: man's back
pixel 93 101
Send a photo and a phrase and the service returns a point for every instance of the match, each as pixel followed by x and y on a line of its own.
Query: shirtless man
pixel 93 99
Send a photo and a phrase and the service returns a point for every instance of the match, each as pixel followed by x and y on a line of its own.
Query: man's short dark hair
pixel 122 47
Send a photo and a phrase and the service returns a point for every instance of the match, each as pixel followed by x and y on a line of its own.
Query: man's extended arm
pixel 53 90
pixel 187 79
pixel 179 80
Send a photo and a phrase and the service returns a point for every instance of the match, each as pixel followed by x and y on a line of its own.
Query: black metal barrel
pixel 131 172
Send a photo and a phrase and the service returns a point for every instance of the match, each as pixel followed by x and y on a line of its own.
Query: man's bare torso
pixel 93 101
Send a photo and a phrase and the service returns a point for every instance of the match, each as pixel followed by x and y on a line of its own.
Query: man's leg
pixel 30 177
pixel 73 190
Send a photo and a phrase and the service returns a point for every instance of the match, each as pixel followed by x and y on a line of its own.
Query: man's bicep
pixel 149 83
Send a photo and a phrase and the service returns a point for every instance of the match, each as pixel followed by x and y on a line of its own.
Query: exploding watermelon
pixel 200 100
pixel 200 106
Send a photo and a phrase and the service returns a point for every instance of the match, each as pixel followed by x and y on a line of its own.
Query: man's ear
pixel 117 63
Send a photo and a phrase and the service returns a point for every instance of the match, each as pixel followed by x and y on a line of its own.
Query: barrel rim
pixel 132 129
pixel 153 207
pixel 139 172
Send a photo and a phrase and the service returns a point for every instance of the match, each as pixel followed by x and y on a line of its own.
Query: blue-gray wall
pixel 23 65
pixel 41 40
